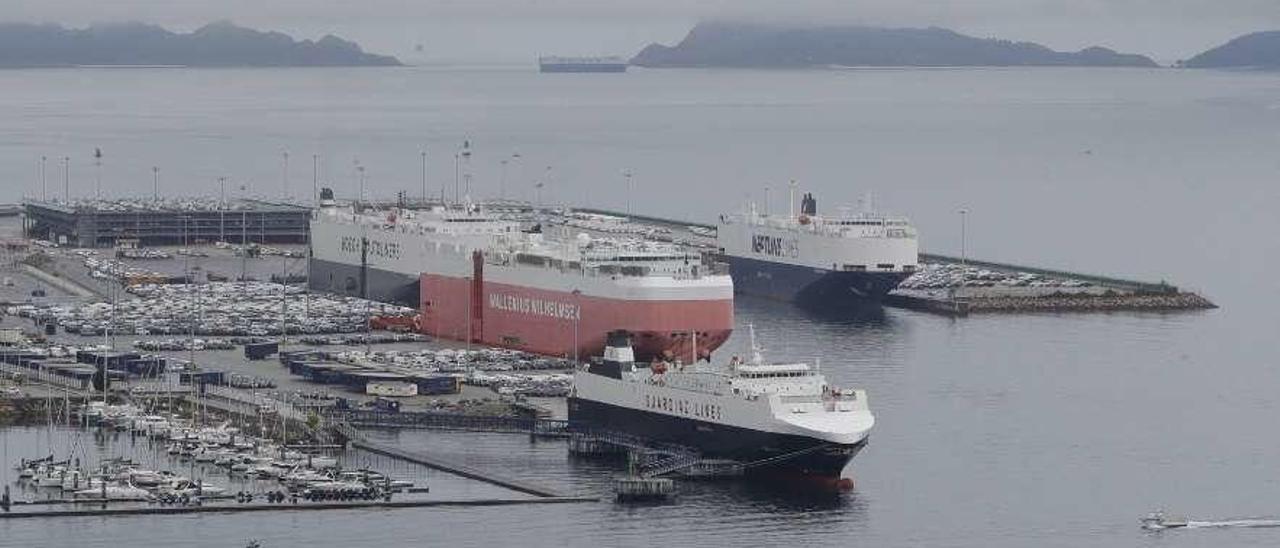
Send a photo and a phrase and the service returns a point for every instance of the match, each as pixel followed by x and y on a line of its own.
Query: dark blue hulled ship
pixel 582 64
pixel 820 262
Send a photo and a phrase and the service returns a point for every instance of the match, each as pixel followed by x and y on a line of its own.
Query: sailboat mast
pixel 244 255
pixel 284 301
pixel 306 302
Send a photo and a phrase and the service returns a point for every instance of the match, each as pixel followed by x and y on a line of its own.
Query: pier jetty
pixel 958 287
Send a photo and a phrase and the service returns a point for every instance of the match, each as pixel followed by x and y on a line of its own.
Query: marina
pixel 285 507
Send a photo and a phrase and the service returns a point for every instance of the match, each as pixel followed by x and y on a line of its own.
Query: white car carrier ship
pixel 817 261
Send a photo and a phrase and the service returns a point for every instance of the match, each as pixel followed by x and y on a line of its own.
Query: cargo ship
pixel 820 262
pixel 775 419
pixel 582 64
pixel 382 255
pixel 480 278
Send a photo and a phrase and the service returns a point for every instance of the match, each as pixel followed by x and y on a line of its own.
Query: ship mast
pixel 791 200
pixel 757 356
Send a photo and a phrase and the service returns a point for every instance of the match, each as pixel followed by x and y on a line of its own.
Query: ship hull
pixel 814 288
pixel 569 325
pixel 366 282
pixel 813 458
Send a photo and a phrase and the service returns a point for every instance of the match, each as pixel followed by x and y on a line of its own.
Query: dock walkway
pixel 357 440
pixel 450 421
pixel 228 508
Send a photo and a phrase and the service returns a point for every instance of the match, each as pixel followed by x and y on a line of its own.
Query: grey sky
pixel 514 30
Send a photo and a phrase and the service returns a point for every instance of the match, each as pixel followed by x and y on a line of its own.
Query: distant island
pixel 220 44
pixel 721 44
pixel 1257 50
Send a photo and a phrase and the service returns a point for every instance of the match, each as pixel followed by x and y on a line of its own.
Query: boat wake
pixel 1192 524
pixel 1159 521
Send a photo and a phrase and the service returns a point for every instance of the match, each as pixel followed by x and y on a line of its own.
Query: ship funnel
pixel 326 197
pixel 618 356
pixel 809 205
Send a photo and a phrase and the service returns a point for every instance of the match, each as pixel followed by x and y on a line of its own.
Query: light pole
pixel 470 296
pixel 97 173
pixel 466 168
pixel 360 169
pixel 359 184
pixel 222 209
pixel 577 315
pixel 547 181
pixel 502 181
pixel 626 176
pixel 964 254
pixel 284 183
pixel 66 178
pixel 155 183
pixel 315 179
pixel 457 174
pixel 44 185
pixel 515 160
pixel 424 176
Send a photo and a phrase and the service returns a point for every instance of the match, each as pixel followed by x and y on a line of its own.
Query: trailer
pixel 260 351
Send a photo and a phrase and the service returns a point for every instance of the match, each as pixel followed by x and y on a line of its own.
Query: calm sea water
pixel 1047 430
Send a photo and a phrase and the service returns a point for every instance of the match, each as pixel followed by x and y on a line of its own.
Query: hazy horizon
pixel 452 32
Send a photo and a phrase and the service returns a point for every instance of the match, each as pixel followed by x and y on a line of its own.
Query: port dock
pixel 954 286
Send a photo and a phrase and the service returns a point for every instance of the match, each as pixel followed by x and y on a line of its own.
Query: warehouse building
pixel 113 223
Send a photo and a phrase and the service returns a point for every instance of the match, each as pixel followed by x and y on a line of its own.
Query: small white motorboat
pixel 191 489
pixel 116 492
pixel 1158 520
